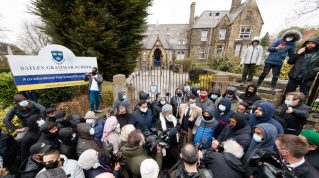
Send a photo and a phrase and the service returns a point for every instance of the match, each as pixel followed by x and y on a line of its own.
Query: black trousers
pixel 249 69
pixel 275 74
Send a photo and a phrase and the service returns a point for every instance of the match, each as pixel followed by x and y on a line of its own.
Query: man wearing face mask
pixel 188 113
pixel 222 114
pixel 202 101
pixel 123 115
pixel 34 163
pixel 95 88
pixel 50 135
pixel 295 112
pixel 305 66
pixel 250 96
pixel 157 106
pixel 121 99
pixel 168 124
pixel 230 93
pixel 293 149
pixel 53 159
pixel 278 51
pixel 142 118
pixel 23 109
pixel 97 124
pixel 177 100
pixel 214 94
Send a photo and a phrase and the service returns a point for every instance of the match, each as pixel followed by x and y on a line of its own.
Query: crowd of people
pixel 197 133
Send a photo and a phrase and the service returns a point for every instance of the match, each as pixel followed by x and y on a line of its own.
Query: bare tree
pixel 33 37
pixel 307 7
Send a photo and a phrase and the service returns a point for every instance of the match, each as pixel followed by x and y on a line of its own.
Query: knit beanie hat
pixel 126 130
pixel 90 115
pixel 149 168
pixel 311 136
pixel 89 159
pixel 167 108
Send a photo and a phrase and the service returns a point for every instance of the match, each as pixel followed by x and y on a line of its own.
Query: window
pixel 180 55
pixel 179 42
pixel 245 32
pixel 201 53
pixel 222 34
pixel 204 36
pixel 219 50
pixel 217 14
pixel 183 42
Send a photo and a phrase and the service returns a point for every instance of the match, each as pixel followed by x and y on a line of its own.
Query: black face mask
pixel 94 73
pixel 52 165
pixel 179 94
pixel 208 118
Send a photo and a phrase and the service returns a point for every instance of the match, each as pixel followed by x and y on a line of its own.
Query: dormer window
pixel 210 14
pixel 217 14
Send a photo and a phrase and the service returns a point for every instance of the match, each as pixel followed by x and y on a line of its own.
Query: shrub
pixel 53 96
pixel 195 73
pixel 8 89
pixel 226 63
pixel 17 122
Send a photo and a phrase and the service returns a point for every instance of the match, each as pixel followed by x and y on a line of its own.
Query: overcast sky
pixel 13 13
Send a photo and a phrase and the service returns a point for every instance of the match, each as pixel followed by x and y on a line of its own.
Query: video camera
pixel 155 137
pixel 271 164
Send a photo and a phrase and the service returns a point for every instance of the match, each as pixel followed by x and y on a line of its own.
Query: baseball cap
pixel 39 148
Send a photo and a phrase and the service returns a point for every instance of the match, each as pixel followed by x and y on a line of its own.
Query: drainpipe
pixel 210 39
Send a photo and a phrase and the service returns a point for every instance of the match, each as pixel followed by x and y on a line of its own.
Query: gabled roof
pixel 236 13
pixel 168 34
pixel 209 19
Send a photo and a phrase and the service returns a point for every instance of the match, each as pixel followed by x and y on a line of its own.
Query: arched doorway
pixel 157 57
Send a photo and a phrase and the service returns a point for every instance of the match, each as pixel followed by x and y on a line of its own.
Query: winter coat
pixel 207 103
pixel 135 156
pixel 305 65
pixel 31 137
pixel 8 151
pixel 157 109
pixel 231 166
pixel 250 99
pixel 205 130
pixel 277 57
pixel 268 142
pixel 254 54
pixel 180 172
pixel 120 101
pixel 30 168
pixel 222 117
pixel 142 120
pixel 98 129
pixel 114 139
pixel 70 167
pixel 98 79
pixel 234 101
pixel 86 141
pixel 176 101
pixel 35 109
pixel 123 119
pixel 195 113
pixel 312 157
pixel 305 170
pixel 267 117
pixel 241 136
pixel 297 119
pixel 215 91
pixel 49 138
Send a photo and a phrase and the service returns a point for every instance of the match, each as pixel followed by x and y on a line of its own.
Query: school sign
pixel 55 66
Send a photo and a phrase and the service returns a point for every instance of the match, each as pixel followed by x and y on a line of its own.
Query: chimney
pixel 234 5
pixel 192 14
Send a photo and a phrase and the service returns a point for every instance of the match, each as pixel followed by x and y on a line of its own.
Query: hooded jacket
pixel 135 156
pixel 86 141
pixel 49 138
pixel 176 101
pixel 268 142
pixel 231 166
pixel 30 137
pixel 277 57
pixel 241 133
pixel 222 117
pixel 35 109
pixel 305 65
pixel 234 101
pixel 121 101
pixel 254 54
pixel 267 117
pixel 250 98
pixel 215 91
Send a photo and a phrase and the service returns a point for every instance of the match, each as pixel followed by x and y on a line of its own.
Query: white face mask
pixel 24 103
pixel 40 122
pixel 89 121
pixel 257 138
pixel 124 97
pixel 143 110
pixel 222 108
pixel 288 103
pixel 118 128
pixel 92 131
pixel 73 136
pixel 192 105
pixel 288 39
pixel 213 97
pixel 163 102
pixel 169 117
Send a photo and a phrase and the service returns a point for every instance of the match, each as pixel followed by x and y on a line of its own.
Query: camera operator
pixel 169 125
pixel 227 160
pixel 135 154
pixel 293 149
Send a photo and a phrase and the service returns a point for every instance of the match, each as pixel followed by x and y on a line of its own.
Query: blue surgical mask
pixel 92 131
pixel 40 122
pixel 222 108
pixel 213 97
pixel 288 39
pixel 288 103
pixel 24 103
pixel 257 138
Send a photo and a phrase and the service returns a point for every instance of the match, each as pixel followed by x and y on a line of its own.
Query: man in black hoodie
pixel 305 66
pixel 250 95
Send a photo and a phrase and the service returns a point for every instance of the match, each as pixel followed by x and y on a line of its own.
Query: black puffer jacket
pixel 182 173
pixel 30 137
pixel 306 65
pixel 224 165
pixel 30 168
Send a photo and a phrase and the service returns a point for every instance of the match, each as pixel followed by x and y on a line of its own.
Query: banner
pixel 55 66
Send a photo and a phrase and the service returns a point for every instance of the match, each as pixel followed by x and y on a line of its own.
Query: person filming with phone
pixel 95 88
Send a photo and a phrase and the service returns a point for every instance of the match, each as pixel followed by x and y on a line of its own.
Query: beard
pixel 311 49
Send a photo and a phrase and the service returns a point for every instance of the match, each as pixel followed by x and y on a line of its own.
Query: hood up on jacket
pixel 313 39
pixel 215 91
pixel 255 89
pixel 234 162
pixel 256 38
pixel 120 95
pixel 232 90
pixel 194 91
pixel 226 102
pixel 268 111
pixel 297 35
pixel 241 120
pixel 83 130
pixel 178 90
pixel 270 135
pixel 32 123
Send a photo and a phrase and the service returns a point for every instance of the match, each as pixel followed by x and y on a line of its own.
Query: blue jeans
pixel 275 74
pixel 94 98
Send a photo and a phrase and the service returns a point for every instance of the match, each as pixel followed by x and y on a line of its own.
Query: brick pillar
pixel 119 84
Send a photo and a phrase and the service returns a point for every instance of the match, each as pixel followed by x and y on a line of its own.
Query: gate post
pixel 119 84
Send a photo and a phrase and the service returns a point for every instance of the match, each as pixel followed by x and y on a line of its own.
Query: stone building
pixel 212 33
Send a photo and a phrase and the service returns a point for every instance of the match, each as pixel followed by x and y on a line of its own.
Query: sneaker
pixel 98 111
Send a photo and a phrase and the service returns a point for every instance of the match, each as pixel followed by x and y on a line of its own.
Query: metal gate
pixel 156 79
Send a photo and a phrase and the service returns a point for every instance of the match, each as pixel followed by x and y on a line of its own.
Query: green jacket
pixel 134 157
